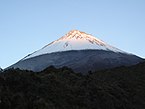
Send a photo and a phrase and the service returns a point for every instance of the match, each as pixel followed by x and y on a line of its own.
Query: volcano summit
pixel 80 51
pixel 74 40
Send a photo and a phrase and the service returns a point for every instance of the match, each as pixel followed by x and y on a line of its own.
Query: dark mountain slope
pixel 79 60
pixel 119 88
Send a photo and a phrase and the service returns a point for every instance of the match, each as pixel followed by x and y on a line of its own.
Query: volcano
pixel 77 50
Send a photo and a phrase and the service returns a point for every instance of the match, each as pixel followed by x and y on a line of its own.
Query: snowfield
pixel 74 40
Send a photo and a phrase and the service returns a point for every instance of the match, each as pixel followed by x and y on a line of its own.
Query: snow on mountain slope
pixel 74 40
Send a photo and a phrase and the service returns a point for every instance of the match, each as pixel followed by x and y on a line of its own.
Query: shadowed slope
pixel 79 61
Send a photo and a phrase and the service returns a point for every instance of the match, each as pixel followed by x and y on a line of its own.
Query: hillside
pixel 119 88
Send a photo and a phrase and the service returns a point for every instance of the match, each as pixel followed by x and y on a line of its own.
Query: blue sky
pixel 28 25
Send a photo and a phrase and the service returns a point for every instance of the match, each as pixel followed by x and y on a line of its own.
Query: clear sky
pixel 28 25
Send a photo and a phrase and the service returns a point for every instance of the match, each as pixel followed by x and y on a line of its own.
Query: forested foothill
pixel 52 88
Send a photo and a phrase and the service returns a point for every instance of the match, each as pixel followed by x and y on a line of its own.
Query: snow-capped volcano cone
pixel 80 51
pixel 74 40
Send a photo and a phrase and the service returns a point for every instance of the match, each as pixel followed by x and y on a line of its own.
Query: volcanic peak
pixel 78 35
pixel 74 40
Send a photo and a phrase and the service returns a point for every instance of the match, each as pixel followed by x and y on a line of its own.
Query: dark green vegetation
pixel 119 88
